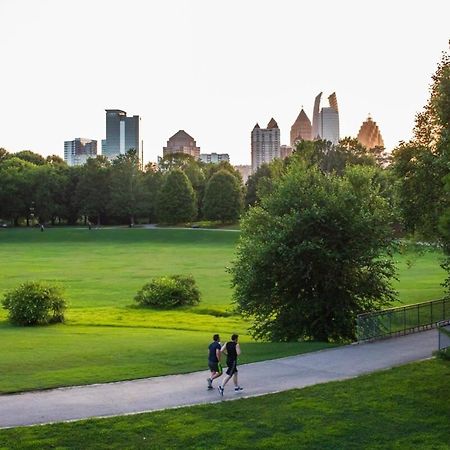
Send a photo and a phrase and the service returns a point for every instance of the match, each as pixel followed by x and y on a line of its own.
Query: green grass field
pixel 402 408
pixel 105 337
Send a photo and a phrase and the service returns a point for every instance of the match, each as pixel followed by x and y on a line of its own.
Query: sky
pixel 212 68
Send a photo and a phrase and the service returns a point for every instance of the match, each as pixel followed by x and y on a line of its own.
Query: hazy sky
pixel 212 68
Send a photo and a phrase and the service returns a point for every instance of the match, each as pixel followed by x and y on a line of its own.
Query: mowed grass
pixel 105 338
pixel 406 407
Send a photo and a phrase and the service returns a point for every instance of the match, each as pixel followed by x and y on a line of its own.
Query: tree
pixel 29 156
pixel 422 164
pixel 127 186
pixel 175 161
pixel 314 254
pixel 16 189
pixel 176 199
pixel 4 155
pixel 223 198
pixel 152 186
pixel 93 190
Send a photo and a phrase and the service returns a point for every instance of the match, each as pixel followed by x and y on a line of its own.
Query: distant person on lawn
pixel 232 350
pixel 214 354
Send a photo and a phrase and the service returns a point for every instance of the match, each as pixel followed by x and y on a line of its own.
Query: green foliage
pixel 313 255
pixel 223 197
pixel 35 303
pixel 176 199
pixel 169 292
pixel 93 188
pixel 127 188
pixel 29 156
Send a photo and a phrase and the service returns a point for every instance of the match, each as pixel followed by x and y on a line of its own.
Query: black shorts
pixel 215 366
pixel 232 367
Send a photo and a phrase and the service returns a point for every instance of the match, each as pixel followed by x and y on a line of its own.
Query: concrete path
pixel 152 394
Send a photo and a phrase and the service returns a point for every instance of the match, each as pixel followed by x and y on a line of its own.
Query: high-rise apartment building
pixel 369 134
pixel 301 130
pixel 326 120
pixel 122 133
pixel 78 151
pixel 214 158
pixel 265 144
pixel 181 142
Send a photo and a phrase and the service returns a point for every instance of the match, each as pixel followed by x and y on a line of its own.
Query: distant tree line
pixel 34 189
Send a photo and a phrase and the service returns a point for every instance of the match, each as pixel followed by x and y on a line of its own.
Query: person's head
pixel 216 337
pixel 234 337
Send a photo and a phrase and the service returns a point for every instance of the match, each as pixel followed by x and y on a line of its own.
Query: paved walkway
pixel 157 393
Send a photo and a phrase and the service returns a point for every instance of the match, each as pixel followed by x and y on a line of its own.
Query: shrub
pixel 35 303
pixel 169 292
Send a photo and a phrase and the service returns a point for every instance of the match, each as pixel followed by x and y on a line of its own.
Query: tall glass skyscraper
pixel 122 133
pixel 326 120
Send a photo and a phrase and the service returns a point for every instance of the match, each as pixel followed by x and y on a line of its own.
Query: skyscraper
pixel 78 151
pixel 265 144
pixel 326 120
pixel 301 129
pixel 122 133
pixel 181 142
pixel 369 134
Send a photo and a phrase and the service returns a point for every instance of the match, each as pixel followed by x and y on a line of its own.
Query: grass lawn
pixel 105 338
pixel 406 407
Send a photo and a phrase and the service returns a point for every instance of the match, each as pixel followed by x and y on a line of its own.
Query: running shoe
pixel 237 389
pixel 220 388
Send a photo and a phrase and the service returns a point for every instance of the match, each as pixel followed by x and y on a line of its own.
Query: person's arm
pixel 238 349
pixel 224 349
pixel 218 353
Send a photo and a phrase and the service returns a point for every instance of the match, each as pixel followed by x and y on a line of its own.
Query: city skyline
pixel 206 73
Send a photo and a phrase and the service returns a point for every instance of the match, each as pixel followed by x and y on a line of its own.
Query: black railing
pixel 402 320
pixel 444 335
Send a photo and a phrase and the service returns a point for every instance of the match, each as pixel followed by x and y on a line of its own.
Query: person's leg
pixel 235 379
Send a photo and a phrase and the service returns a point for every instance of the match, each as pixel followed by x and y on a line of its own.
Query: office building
pixel 301 130
pixel 78 151
pixel 122 133
pixel 326 120
pixel 214 158
pixel 369 134
pixel 265 144
pixel 181 142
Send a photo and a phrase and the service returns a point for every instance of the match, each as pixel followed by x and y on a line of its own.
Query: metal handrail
pixel 402 319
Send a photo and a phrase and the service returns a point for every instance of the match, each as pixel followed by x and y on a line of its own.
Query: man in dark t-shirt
pixel 214 353
pixel 232 350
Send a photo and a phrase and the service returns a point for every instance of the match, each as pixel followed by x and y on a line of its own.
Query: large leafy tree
pixel 29 156
pixel 176 199
pixel 127 186
pixel 93 188
pixel 314 254
pixel 152 186
pixel 423 164
pixel 16 189
pixel 223 197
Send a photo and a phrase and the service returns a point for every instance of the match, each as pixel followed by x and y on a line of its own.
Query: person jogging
pixel 214 353
pixel 232 350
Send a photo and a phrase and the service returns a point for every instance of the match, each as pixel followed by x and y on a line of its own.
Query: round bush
pixel 35 303
pixel 169 292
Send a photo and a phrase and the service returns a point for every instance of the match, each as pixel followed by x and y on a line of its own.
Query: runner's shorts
pixel 215 366
pixel 232 367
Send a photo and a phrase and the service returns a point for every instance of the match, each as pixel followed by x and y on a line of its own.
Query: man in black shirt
pixel 232 350
pixel 214 353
